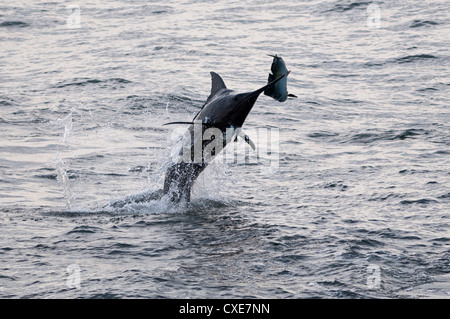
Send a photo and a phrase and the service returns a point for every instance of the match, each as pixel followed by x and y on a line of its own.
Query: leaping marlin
pixel 220 120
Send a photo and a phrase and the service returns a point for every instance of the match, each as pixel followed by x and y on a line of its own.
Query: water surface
pixel 359 206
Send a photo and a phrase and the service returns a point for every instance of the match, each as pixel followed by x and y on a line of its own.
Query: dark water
pixel 358 207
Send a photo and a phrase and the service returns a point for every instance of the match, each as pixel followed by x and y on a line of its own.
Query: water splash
pixel 67 123
pixel 63 179
pixel 60 165
pixel 148 202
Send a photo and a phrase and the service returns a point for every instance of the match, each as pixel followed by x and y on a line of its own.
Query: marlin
pixel 278 91
pixel 218 123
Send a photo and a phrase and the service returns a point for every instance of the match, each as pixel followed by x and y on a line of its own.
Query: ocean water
pixel 358 205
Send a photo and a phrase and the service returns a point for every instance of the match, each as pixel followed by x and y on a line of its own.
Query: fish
pixel 221 117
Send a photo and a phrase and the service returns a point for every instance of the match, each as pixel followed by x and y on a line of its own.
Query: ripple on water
pixel 13 24
pixel 85 229
pixel 362 178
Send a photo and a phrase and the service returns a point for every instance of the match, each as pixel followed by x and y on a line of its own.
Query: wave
pixel 322 134
pixel 367 138
pixel 423 201
pixel 159 11
pixel 157 202
pixel 414 58
pixel 422 23
pixel 371 64
pixel 337 185
pixel 428 89
pixel 408 134
pixel 401 60
pixel 19 24
pixel 382 198
pixel 445 196
pixel 84 230
pixel 87 81
pixel 47 176
pixel 7 101
pixel 136 199
pixel 342 7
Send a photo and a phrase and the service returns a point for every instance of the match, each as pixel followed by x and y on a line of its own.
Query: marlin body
pixel 218 123
pixel 278 90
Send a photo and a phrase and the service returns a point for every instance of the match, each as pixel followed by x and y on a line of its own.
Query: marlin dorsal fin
pixel 216 85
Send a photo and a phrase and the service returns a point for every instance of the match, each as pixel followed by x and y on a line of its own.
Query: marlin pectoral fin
pixel 247 140
pixel 171 123
pixel 292 95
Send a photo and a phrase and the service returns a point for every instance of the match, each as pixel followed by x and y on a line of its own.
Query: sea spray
pixel 61 165
pixel 63 179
